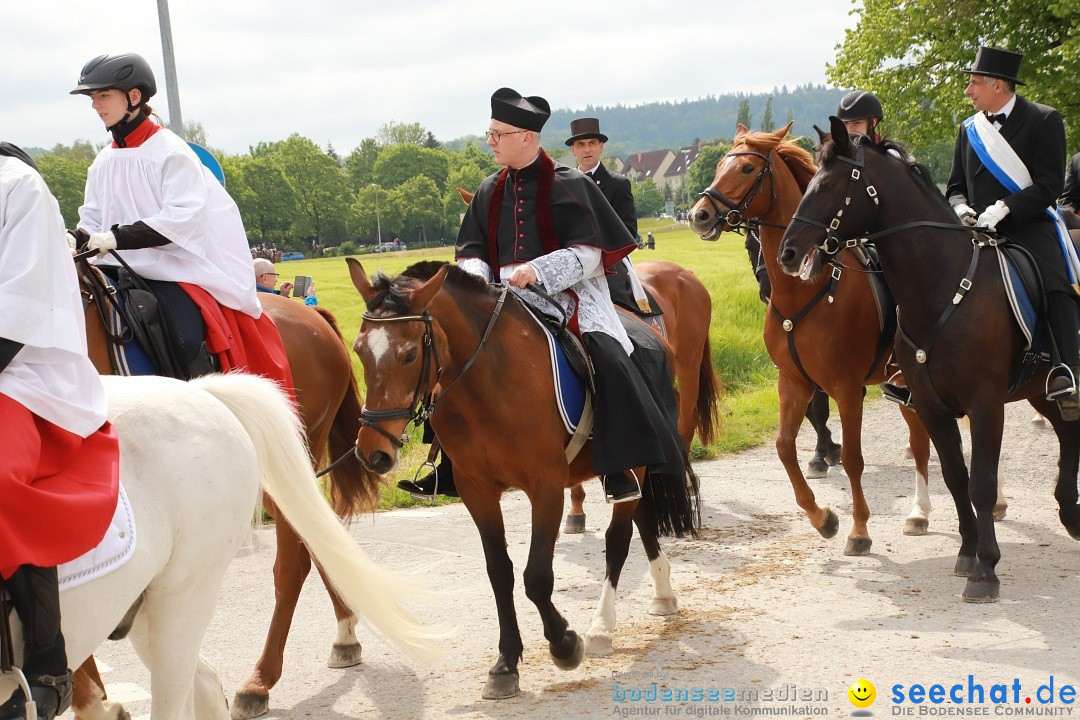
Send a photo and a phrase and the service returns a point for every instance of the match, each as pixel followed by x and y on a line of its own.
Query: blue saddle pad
pixel 1023 308
pixel 569 388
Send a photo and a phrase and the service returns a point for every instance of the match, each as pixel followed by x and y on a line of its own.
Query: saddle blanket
pixel 569 388
pixel 1023 309
pixel 115 549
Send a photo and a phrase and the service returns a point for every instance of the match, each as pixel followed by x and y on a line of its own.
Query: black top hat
pixel 997 63
pixel 527 113
pixel 585 128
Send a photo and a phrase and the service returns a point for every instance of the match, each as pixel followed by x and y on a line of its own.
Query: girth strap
pixel 788 324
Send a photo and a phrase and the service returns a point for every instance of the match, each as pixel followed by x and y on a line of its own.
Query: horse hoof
pixel 858 546
pixel 965 566
pixel 916 526
pixel 831 525
pixel 249 705
pixel 1038 422
pixel 568 652
pixel 500 687
pixel 575 525
pixel 982 591
pixel 816 468
pixel 664 606
pixel 999 511
pixel 344 656
pixel 833 456
pixel 598 645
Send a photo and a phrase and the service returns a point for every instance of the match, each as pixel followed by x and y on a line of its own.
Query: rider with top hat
pixel 58 455
pixel 1008 170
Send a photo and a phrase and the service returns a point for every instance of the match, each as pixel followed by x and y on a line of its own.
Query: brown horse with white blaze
pixel 437 329
pixel 837 345
pixel 329 406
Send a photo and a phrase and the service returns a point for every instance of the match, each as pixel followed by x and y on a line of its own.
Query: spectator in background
pixel 266 279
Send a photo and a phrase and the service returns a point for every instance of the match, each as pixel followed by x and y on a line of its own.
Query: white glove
pixel 103 242
pixel 73 243
pixel 994 214
pixel 965 213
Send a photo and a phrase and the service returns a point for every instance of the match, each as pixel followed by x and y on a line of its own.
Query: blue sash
pixel 995 161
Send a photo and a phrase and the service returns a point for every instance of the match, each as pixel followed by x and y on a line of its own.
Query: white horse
pixel 191 459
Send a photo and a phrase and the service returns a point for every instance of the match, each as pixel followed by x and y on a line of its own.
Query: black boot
pixel 1062 389
pixel 619 488
pixel 440 481
pixel 35 593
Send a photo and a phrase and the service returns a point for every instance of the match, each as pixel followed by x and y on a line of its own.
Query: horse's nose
pixel 380 462
pixel 701 215
pixel 787 256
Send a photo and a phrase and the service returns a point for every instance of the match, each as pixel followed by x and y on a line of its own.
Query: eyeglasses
pixel 497 135
pixel 274 274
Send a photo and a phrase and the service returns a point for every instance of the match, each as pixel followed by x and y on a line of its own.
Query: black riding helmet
pixel 123 72
pixel 858 105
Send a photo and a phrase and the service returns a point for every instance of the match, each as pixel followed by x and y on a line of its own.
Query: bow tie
pixel 999 118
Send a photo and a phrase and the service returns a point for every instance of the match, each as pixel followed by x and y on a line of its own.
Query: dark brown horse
pixel 961 346
pixel 435 328
pixel 329 405
pixel 835 344
pixel 687 308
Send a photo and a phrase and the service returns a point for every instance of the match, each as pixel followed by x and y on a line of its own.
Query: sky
pixel 337 70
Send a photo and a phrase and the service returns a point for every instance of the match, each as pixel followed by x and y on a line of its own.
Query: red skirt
pixel 243 343
pixel 57 490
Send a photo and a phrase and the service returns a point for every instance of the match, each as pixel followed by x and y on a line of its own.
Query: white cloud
pixel 335 70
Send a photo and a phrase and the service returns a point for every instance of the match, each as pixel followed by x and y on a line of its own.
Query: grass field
pixel 749 404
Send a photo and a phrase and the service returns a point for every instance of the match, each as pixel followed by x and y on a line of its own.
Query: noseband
pixel 733 216
pixel 833 243
pixel 423 403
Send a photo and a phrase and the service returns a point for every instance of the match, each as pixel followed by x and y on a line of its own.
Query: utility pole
pixel 176 121
pixel 378 222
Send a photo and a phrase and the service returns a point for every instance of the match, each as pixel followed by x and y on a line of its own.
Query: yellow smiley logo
pixel 862 693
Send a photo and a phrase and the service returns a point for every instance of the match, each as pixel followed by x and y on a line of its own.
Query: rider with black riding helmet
pixel 860 111
pixel 149 197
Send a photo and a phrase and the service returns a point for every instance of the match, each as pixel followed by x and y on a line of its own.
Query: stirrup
pixel 413 488
pixel 1058 391
pixel 899 394
pixel 30 707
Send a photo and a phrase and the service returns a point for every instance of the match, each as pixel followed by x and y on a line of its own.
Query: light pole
pixel 378 222
pixel 176 120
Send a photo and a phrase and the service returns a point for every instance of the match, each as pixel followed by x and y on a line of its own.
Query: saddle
pixel 160 317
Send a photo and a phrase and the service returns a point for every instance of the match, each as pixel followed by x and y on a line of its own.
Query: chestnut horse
pixel 945 278
pixel 436 328
pixel 836 345
pixel 687 308
pixel 329 405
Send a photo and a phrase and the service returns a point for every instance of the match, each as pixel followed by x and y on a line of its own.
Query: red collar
pixel 139 135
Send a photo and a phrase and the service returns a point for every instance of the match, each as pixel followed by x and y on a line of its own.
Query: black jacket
pixel 1070 199
pixel 616 189
pixel 1037 134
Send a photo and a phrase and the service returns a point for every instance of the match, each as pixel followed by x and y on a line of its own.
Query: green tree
pixel 396 133
pixel 375 210
pixel 468 178
pixel 81 150
pixel 767 123
pixel 398 164
pixel 648 199
pixel 320 186
pixel 66 178
pixel 912 55
pixel 266 200
pixel 360 163
pixel 702 171
pixel 472 155
pixel 744 117
pixel 422 204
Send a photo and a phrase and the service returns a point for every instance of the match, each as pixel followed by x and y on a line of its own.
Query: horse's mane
pixel 391 290
pixel 827 153
pixel 798 161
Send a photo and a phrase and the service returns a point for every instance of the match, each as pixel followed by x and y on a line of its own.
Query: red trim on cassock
pixel 139 135
pixel 241 342
pixel 59 490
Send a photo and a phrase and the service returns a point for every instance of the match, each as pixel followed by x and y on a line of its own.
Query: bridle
pixel 733 216
pixel 832 244
pixel 424 402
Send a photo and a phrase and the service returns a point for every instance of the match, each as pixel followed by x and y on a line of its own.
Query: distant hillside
pixel 678 124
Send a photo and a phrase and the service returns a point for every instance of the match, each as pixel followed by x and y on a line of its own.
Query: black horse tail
pixel 672 503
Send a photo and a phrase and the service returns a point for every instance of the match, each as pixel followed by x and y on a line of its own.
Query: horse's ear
pixel 740 130
pixel 782 132
pixel 466 196
pixel 840 136
pixel 421 296
pixel 359 279
pixel 822 135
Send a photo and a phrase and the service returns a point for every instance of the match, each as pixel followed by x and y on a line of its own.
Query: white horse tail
pixel 286 475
